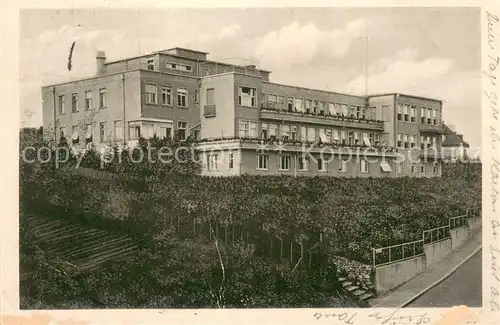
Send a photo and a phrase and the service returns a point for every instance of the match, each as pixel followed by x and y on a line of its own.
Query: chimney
pixel 100 60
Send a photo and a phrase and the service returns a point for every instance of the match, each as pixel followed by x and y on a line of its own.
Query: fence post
pixel 415 248
pixel 389 254
pixel 373 254
pixel 281 248
pixel 291 251
pixel 403 251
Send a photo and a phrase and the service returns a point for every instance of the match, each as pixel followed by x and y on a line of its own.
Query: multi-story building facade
pixel 245 123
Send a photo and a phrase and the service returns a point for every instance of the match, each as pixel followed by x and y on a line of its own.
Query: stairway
pixel 355 290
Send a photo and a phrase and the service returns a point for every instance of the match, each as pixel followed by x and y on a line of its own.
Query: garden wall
pixel 436 251
pixel 459 236
pixel 390 276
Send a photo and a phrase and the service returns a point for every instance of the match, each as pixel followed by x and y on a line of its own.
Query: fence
pixel 394 253
pixel 436 234
pixel 457 222
pixel 390 254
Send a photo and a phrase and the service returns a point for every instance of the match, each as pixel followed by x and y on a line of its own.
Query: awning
pixel 366 141
pixel 385 166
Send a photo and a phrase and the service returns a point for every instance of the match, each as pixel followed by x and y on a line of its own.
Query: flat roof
pixel 321 90
pixel 185 49
pixel 406 95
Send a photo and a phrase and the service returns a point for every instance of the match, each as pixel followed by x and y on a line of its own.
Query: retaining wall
pixel 436 251
pixel 474 223
pixel 459 236
pixel 392 275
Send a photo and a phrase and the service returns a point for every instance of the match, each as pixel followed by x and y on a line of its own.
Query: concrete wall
pixel 474 223
pixel 392 275
pixel 459 236
pixel 436 251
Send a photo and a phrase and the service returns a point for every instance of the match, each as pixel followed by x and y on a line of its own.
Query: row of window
pixel 409 141
pixel 146 131
pixel 75 104
pixel 150 65
pixel 408 113
pixel 248 129
pixel 304 164
pixel 166 95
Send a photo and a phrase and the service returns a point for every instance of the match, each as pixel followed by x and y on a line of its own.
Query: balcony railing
pixel 321 118
pixel 430 128
pixel 226 69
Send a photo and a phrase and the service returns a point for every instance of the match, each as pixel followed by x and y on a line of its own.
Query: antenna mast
pixel 366 66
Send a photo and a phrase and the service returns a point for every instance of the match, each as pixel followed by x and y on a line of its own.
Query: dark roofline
pixel 406 95
pixel 185 49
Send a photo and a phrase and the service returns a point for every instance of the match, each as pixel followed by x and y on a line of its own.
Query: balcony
pixel 431 153
pixel 338 120
pixel 247 70
pixel 430 128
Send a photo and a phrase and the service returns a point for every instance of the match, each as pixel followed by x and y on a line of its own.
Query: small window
pixel 88 100
pixel 435 168
pixel 294 133
pixel 151 94
pixel 321 165
pixel 363 166
pixel 118 130
pixel 102 132
pixel 422 168
pixel 74 103
pixel 88 132
pixel 166 95
pixel 413 168
pixel 271 98
pixel 62 104
pixel 213 162
pixel 247 96
pixel 285 162
pixel 182 130
pixel 343 165
pixel 182 94
pixel 263 162
pixel 303 164
pixel 102 98
pixel 150 64
pixel 231 160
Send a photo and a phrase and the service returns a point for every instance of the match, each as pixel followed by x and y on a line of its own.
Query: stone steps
pixel 351 288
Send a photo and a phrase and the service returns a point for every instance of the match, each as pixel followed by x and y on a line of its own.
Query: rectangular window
pixel 422 168
pixel 429 116
pixel 272 99
pixel 182 130
pixel 413 168
pixel 435 117
pixel 231 160
pixel 262 162
pixel 311 134
pixel 62 132
pixel 308 105
pixel 210 96
pixel 331 109
pixel 413 117
pixel 322 135
pixel 264 132
pixel 273 131
pixel 102 132
pixel 321 165
pixel 196 96
pixel 285 132
pixel 358 111
pixel 134 132
pixel 363 166
pixel 88 132
pixel 118 130
pixel 148 130
pixel 213 162
pixel 335 135
pixel 281 101
pixel 343 165
pixel 165 132
pixel 400 112
pixel 62 104
pixel 351 137
pixel 328 135
pixel 151 94
pixel 88 100
pixel 247 129
pixel 289 105
pixel 252 132
pixel 400 140
pixel 321 107
pixel 352 110
pixel 338 108
pixel 102 98
pixel 298 104
pixel 247 96
pixel 366 139
pixel 399 167
pixel 343 137
pixel 166 95
pixel 407 113
pixel 294 133
pixel 303 133
pixel 435 168
pixel 74 103
pixel 315 106
pixel 182 94
pixel 285 162
pixel 412 141
pixel 422 115
pixel 406 143
pixel 303 164
pixel 376 139
pixel 356 138
pixel 150 64
pixel 345 111
pixel 75 134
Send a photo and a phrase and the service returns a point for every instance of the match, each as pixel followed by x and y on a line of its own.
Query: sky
pixel 430 52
